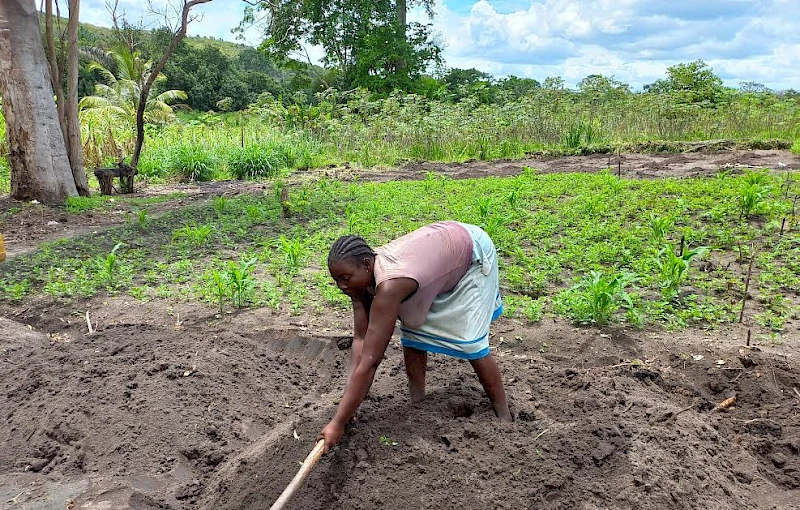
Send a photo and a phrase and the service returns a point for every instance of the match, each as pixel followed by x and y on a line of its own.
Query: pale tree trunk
pixel 52 59
pixel 37 155
pixel 67 105
pixel 179 34
pixel 73 127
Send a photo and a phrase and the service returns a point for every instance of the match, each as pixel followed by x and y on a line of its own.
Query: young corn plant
pixel 194 235
pixel 141 219
pixel 293 251
pixel 596 297
pixel 484 207
pixel 659 226
pixel 240 281
pixel 750 197
pixel 220 204
pixel 107 267
pixel 672 267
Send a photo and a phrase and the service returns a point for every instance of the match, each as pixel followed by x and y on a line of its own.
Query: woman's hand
pixel 332 434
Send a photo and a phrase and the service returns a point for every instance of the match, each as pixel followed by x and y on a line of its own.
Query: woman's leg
pixel 416 365
pixel 492 382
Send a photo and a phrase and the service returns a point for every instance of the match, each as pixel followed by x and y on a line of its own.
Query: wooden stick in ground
pixel 747 284
pixel 300 477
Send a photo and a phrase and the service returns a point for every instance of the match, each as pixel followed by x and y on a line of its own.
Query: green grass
pixel 587 247
pixel 361 130
pixel 5 177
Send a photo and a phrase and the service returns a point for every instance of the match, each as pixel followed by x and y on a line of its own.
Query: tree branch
pixel 178 35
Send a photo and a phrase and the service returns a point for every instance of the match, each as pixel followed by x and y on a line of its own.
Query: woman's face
pixel 352 276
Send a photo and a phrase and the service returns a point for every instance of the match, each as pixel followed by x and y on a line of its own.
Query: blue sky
pixel 632 40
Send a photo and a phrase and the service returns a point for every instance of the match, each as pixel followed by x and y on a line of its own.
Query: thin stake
pixel 783 224
pixel 788 184
pixel 747 284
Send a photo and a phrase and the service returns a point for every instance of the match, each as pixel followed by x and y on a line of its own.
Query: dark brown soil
pixel 166 406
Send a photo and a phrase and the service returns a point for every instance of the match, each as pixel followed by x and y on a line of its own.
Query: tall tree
pixel 67 103
pixel 178 32
pixel 116 99
pixel 40 167
pixel 694 82
pixel 369 42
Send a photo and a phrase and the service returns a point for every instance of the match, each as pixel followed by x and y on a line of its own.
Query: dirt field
pixel 167 407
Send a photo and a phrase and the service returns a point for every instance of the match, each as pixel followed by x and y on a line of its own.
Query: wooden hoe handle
pixel 300 477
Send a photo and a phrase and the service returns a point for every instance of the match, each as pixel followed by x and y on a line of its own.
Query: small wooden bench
pixel 105 176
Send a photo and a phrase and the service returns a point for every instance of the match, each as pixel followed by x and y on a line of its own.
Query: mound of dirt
pixel 166 407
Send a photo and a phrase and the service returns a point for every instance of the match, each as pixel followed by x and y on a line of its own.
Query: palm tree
pixel 118 98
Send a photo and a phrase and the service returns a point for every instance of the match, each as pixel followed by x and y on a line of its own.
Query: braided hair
pixel 349 247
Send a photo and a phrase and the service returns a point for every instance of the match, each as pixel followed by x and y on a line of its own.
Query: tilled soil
pixel 165 406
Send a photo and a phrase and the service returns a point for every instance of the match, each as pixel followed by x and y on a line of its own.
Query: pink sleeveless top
pixel 437 256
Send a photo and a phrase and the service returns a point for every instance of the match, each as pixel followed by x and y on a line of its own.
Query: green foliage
pixel 5 171
pixel 596 297
pixel 750 197
pixel 220 281
pixel 107 267
pixel 659 226
pixel 366 42
pixel 241 281
pixel 80 204
pixel 293 252
pixel 263 160
pixel 214 80
pixel 194 235
pixel 672 268
pixel 694 82
pixel 141 218
pixel 192 162
pixel 116 100
pixel 581 133
pixel 387 441
pixel 220 204
pixel 547 235
pixel 14 291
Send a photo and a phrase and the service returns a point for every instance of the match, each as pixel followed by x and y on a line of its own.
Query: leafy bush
pixel 192 162
pixel 262 160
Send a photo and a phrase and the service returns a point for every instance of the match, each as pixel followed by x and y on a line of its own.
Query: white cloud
pixel 633 40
